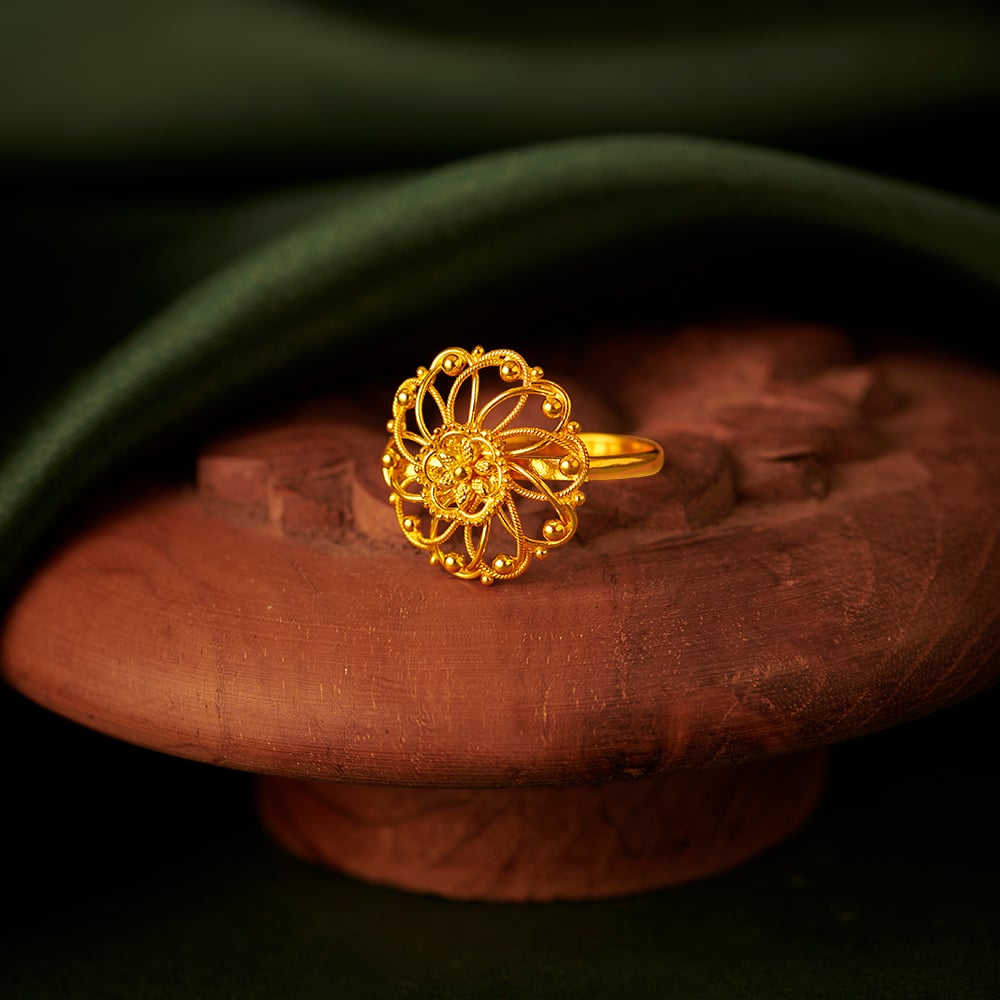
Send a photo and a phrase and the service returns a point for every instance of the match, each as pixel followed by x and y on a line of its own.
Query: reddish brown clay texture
pixel 817 560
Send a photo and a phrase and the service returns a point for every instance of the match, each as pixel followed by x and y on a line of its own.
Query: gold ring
pixel 468 471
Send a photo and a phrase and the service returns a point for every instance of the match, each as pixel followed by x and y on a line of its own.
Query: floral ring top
pixel 474 480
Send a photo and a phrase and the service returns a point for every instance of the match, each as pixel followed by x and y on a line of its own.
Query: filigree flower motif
pixel 465 475
pixel 462 468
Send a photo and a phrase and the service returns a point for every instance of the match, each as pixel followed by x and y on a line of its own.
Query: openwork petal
pixel 514 561
pixel 558 523
pixel 429 409
pixel 403 480
pixel 476 540
pixel 412 523
pixel 438 534
pixel 554 405
pixel 555 457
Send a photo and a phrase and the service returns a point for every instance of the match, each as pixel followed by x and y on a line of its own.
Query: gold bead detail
pixel 503 564
pixel 553 530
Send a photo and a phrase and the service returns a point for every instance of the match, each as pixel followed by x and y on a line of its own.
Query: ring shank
pixel 622 456
pixel 612 456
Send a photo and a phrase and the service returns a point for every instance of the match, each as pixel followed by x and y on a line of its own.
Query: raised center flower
pixel 463 474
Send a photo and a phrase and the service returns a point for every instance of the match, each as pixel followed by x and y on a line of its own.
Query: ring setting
pixel 486 467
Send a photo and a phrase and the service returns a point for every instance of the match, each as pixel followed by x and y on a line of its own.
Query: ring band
pixel 480 483
pixel 611 456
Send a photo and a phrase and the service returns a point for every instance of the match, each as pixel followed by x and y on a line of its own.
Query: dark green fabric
pixel 318 85
pixel 210 208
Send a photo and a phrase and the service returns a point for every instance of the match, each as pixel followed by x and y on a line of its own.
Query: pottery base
pixel 546 843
